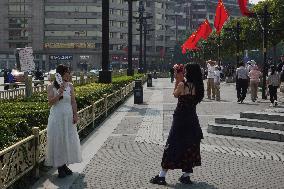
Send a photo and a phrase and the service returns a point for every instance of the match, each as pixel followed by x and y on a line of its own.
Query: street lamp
pixel 105 74
pixel 146 31
pixel 141 11
pixel 265 15
pixel 130 71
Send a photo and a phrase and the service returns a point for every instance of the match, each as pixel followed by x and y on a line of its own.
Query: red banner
pixel 243 7
pixel 221 16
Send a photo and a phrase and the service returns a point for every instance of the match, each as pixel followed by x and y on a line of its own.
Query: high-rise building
pixel 21 24
pixel 70 31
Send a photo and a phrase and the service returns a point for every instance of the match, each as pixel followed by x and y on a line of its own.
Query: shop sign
pixel 60 57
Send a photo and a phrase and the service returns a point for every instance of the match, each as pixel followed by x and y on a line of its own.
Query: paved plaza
pixel 126 150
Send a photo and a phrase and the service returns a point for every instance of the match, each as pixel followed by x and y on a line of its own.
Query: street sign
pixel 26 59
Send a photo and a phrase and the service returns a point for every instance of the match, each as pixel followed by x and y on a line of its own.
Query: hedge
pixel 18 116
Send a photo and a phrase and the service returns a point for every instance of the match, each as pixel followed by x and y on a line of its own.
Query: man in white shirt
pixel 210 79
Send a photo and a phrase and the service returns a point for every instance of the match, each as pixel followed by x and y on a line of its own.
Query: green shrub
pixel 18 116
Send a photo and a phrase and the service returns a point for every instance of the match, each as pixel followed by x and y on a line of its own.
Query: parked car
pixel 94 72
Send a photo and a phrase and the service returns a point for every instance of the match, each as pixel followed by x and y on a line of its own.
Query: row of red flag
pixel 205 29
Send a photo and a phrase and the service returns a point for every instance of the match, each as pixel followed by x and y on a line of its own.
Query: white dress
pixel 63 144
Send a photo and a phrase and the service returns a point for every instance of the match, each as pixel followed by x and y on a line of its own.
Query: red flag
pixel 204 30
pixel 221 16
pixel 191 42
pixel 243 7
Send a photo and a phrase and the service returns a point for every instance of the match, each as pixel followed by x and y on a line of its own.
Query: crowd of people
pixel 248 77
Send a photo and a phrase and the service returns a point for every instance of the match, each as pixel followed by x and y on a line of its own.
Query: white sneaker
pixel 271 105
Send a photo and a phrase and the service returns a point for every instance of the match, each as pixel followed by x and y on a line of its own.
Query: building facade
pixel 21 25
pixel 70 31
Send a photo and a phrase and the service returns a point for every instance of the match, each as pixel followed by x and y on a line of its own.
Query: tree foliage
pixel 251 32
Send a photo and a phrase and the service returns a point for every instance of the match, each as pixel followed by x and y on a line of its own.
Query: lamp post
pixel 105 74
pixel 130 71
pixel 141 11
pixel 142 22
pixel 146 31
pixel 265 16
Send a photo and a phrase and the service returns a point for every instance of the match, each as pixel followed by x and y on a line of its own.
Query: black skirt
pixel 182 150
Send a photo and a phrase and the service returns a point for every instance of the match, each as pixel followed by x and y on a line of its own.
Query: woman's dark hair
pixel 273 69
pixel 61 69
pixel 194 76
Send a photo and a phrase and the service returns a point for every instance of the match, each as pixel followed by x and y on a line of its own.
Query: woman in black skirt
pixel 182 150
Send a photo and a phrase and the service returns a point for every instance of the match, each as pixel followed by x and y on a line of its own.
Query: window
pixel 18 22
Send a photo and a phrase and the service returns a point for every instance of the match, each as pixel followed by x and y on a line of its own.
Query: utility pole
pixel 265 16
pixel 105 74
pixel 146 31
pixel 142 22
pixel 130 71
pixel 219 49
pixel 265 45
pixel 141 11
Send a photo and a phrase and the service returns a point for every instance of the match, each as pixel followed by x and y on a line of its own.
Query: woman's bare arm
pixel 53 98
pixel 178 90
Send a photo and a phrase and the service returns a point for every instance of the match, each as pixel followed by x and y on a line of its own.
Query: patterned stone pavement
pixel 132 153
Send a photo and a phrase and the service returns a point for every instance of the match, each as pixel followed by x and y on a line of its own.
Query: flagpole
pixel 219 49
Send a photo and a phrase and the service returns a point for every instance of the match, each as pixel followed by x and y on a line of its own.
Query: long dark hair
pixel 61 69
pixel 194 76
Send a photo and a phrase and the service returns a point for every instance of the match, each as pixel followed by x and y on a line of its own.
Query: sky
pixel 254 1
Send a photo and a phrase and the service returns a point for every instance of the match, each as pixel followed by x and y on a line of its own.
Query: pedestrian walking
pixel 210 79
pixel 273 83
pixel 182 150
pixel 254 76
pixel 217 81
pixel 242 82
pixel 63 144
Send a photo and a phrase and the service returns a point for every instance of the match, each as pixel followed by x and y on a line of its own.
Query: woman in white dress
pixel 63 144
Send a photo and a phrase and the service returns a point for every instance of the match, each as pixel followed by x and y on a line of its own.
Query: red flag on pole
pixel 243 7
pixel 221 16
pixel 191 42
pixel 204 30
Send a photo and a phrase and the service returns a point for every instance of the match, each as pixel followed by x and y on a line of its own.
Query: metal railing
pixel 21 92
pixel 26 155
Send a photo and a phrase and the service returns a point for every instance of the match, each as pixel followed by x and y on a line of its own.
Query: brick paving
pixel 132 153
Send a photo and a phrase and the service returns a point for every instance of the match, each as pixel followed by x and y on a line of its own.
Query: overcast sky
pixel 254 1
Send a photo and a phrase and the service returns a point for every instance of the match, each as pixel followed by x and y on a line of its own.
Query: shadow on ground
pixel 195 185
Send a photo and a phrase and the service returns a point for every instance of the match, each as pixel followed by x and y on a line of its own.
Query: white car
pixel 94 72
